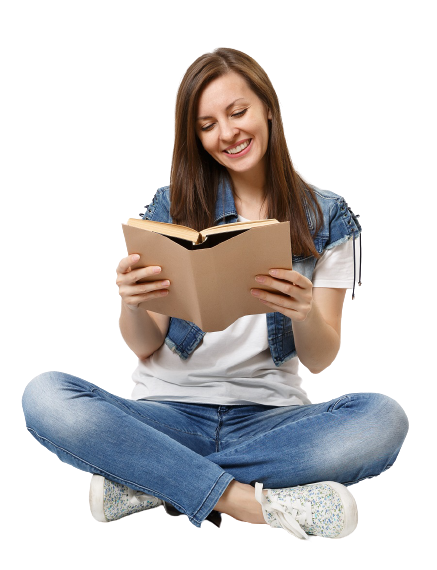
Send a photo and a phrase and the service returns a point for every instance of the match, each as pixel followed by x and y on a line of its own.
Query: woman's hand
pixel 133 293
pixel 295 298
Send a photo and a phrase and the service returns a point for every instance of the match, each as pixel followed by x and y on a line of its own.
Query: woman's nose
pixel 228 131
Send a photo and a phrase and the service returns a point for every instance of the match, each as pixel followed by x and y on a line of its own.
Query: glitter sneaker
pixel 324 509
pixel 110 501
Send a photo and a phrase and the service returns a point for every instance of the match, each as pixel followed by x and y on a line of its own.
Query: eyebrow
pixel 227 109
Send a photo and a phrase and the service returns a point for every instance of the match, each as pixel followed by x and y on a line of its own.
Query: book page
pixel 236 226
pixel 165 229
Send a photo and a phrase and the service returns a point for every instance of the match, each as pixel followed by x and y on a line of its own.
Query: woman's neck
pixel 249 194
pixel 250 203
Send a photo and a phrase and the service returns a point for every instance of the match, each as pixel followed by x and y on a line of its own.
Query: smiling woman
pixel 236 135
pixel 226 100
pixel 215 417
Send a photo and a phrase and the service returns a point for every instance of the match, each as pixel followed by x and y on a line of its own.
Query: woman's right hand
pixel 133 293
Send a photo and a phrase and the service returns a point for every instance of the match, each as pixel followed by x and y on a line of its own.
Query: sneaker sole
pixel 350 508
pixel 96 498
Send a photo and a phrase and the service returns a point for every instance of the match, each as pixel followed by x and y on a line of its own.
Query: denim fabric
pixel 339 225
pixel 187 454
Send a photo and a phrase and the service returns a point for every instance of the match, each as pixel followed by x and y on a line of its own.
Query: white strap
pixel 136 497
pixel 288 515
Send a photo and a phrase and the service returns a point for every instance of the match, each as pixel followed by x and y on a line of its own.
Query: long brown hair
pixel 195 175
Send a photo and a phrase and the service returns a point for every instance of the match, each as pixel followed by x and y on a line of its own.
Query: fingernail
pixel 135 257
pixel 157 270
pixel 166 283
pixel 273 272
pixel 164 293
pixel 260 278
pixel 254 292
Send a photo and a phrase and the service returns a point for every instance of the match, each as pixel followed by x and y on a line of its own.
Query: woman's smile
pixel 240 149
pixel 232 123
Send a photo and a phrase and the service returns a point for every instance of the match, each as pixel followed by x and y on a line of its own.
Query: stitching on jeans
pixel 213 487
pixel 332 406
pixel 368 477
pixel 152 420
pixel 175 429
pixel 217 431
pixel 99 469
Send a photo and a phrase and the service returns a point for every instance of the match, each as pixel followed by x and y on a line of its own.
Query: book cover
pixel 210 286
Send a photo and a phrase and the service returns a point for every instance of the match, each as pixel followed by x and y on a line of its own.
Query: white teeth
pixel 238 148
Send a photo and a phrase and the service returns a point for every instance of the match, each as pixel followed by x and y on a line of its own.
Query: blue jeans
pixel 187 454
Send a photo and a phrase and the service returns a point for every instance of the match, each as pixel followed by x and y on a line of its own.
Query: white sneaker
pixel 324 509
pixel 110 501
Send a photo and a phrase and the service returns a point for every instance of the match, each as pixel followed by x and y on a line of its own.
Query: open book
pixel 182 234
pixel 210 272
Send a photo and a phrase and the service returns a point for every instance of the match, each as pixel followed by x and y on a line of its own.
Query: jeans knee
pixel 37 391
pixel 398 419
pixel 393 420
pixel 379 423
pixel 43 396
pixel 377 429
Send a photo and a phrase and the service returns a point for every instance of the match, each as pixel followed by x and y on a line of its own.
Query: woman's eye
pixel 210 126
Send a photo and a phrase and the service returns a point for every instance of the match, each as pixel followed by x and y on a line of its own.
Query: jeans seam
pixel 368 476
pixel 206 498
pixel 332 406
pixel 125 482
pixel 217 430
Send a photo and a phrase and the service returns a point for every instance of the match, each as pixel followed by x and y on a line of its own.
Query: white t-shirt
pixel 235 366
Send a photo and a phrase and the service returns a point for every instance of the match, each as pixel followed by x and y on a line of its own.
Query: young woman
pixel 216 417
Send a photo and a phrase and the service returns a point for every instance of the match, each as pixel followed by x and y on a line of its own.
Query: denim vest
pixel 339 225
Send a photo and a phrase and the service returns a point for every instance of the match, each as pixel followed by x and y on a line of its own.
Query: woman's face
pixel 232 124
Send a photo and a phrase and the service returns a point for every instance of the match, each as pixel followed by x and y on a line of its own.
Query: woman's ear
pixel 269 115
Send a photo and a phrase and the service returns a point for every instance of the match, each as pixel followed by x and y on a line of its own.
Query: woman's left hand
pixel 296 293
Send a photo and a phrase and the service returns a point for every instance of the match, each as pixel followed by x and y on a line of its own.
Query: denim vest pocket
pixel 280 337
pixel 183 337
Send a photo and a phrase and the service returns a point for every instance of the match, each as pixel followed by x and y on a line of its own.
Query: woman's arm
pixel 317 338
pixel 315 315
pixel 141 333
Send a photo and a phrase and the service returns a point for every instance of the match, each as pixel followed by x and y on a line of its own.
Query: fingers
pixel 125 264
pixel 295 299
pixel 133 293
pixel 127 275
pixel 285 305
pixel 283 286
pixel 291 276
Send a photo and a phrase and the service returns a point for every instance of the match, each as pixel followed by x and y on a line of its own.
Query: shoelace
pixel 361 257
pixel 136 497
pixel 290 515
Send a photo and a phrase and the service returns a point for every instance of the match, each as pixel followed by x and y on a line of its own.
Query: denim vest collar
pixel 339 225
